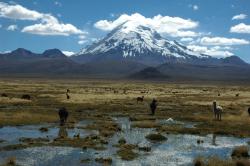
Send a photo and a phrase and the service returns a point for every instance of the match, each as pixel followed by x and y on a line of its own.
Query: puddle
pixel 171 121
pixel 182 149
pixel 179 149
pixel 44 156
pixel 131 135
pixel 12 134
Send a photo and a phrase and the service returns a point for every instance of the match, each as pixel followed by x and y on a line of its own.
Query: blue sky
pixel 215 27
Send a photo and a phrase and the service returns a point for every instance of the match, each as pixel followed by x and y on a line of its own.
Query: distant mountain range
pixel 131 52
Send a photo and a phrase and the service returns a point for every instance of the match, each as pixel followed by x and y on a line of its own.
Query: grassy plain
pixel 100 100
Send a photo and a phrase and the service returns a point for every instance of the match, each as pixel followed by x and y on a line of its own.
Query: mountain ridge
pixel 129 51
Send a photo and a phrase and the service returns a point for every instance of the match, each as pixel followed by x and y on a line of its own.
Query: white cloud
pixel 68 53
pixel 1 26
pixel 82 37
pixel 81 42
pixel 95 39
pixel 195 7
pixel 112 14
pixel 18 12
pixel 49 25
pixel 52 29
pixel 12 27
pixel 217 51
pixel 173 26
pixel 58 3
pixel 240 28
pixel 186 39
pixel 239 17
pixel 222 41
pixel 5 52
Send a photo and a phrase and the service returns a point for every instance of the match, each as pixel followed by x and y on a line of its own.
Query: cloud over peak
pixel 166 25
pixel 68 53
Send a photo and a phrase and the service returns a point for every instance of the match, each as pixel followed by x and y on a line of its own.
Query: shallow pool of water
pixel 12 134
pixel 171 121
pixel 179 149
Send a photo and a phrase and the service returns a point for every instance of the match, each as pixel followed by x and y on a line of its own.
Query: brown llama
pixel 140 99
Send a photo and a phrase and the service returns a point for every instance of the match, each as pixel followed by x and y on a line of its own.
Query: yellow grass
pixel 188 102
pixel 25 118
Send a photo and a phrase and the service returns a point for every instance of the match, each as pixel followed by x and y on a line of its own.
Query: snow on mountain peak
pixel 136 39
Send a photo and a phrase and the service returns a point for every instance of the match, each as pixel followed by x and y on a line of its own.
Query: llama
pixel 217 111
pixel 153 106
pixel 67 95
pixel 63 115
pixel 140 99
pixel 26 97
pixel 4 95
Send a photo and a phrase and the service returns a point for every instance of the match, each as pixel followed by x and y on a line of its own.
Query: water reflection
pixel 62 133
pixel 214 139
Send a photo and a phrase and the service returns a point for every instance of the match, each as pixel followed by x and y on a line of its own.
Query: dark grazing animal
pixel 140 99
pixel 63 115
pixel 68 91
pixel 4 95
pixel 237 95
pixel 26 97
pixel 153 106
pixel 67 95
pixel 217 111
pixel 249 111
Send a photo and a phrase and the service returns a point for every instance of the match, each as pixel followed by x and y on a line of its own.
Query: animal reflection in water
pixel 62 133
pixel 214 140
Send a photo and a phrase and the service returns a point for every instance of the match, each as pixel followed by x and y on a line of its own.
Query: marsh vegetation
pixel 107 124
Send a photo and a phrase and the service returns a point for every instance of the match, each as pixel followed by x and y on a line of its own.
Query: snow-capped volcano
pixel 137 42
